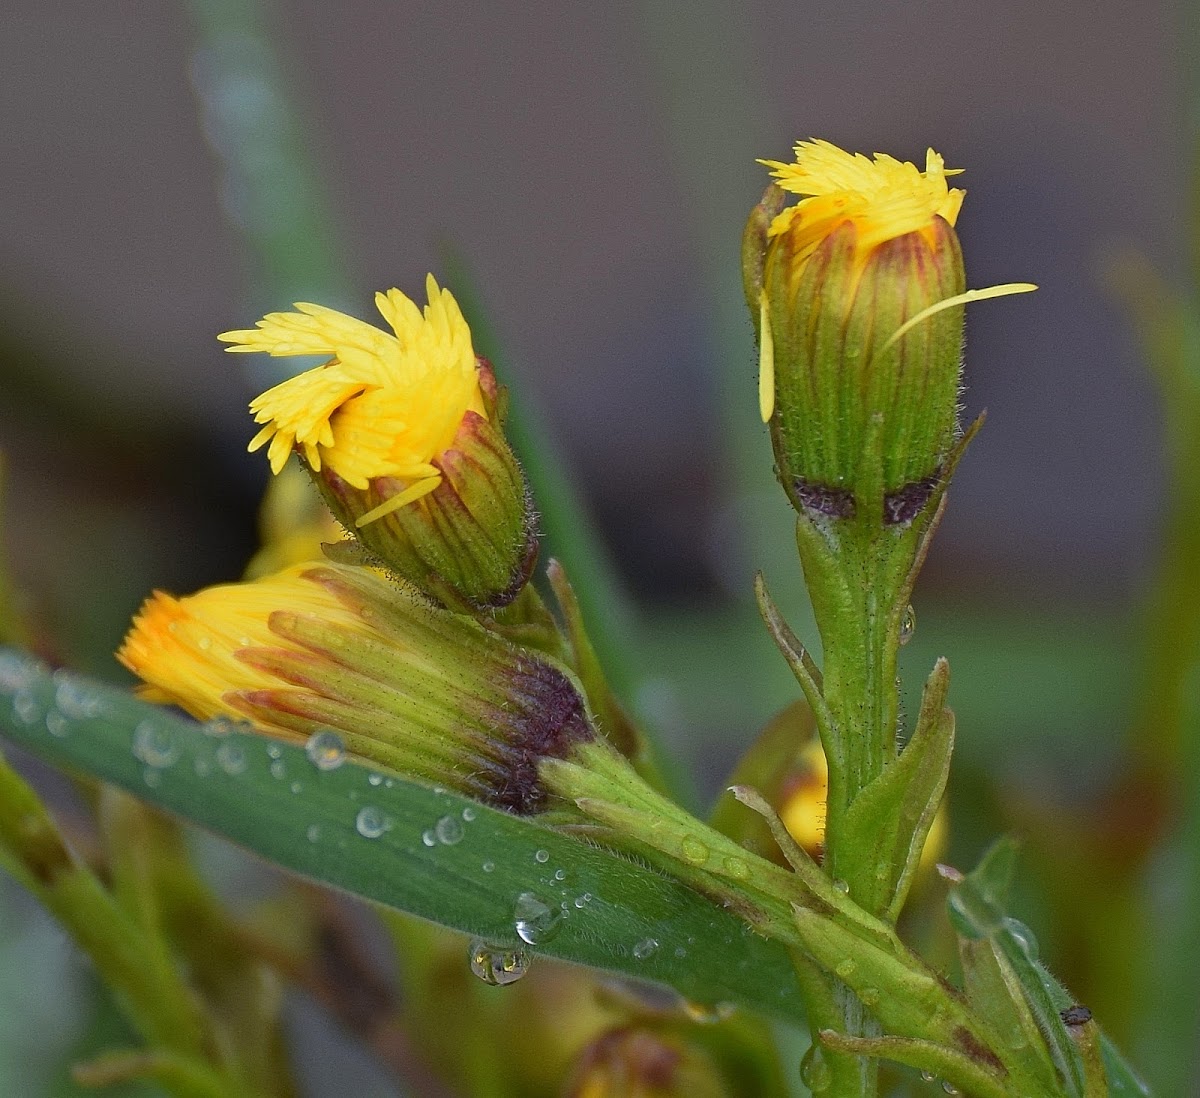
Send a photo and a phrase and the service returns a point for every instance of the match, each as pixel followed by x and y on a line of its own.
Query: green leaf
pixel 422 850
pixel 894 813
pixel 978 912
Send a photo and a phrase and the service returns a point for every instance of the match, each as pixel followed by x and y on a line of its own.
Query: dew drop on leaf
pixel 534 921
pixel 497 965
pixel 370 822
pixel 325 749
pixel 449 830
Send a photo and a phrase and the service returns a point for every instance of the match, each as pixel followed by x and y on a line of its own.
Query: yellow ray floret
pixel 385 405
pixel 884 197
pixel 185 649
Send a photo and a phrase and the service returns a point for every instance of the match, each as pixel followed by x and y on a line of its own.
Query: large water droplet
pixel 375 779
pixel 75 700
pixel 14 672
pixel 497 965
pixel 708 1014
pixel 370 822
pixel 542 857
pixel 927 1075
pixel 842 886
pixel 908 624
pixel 325 749
pixel 534 921
pixel 949 1087
pixel 278 770
pixel 737 868
pixel 449 830
pixel 647 947
pixel 57 725
pixel 815 1070
pixel 154 744
pixel 468 813
pixel 694 851
pixel 25 707
pixel 231 757
pixel 1024 937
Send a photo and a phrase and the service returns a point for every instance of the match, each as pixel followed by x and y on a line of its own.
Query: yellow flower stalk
pixel 402 431
pixel 857 291
pixel 324 647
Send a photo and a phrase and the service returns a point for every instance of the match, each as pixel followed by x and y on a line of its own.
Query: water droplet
pixel 278 770
pixel 542 857
pixel 370 822
pixel 202 767
pixel 870 996
pixel 845 969
pixel 296 787
pixel 449 830
pixel 374 779
pixel 737 868
pixel 534 921
pixel 708 1014
pixel 949 1087
pixel 204 643
pixel 908 624
pixel 428 837
pixel 842 886
pixel 1024 937
pixel 489 867
pixel 25 707
pixel 218 727
pixel 231 757
pixel 694 851
pixel 581 902
pixel 468 813
pixel 680 952
pixel 644 949
pixel 14 672
pixel 927 1075
pixel 497 965
pixel 560 874
pixel 274 751
pixel 57 724
pixel 151 777
pixel 815 1070
pixel 313 833
pixel 154 744
pixel 75 701
pixel 325 749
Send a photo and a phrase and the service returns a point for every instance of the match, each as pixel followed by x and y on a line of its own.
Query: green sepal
pixel 894 813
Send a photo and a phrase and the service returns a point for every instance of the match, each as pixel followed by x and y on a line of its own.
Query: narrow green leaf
pixel 894 813
pixel 978 911
pixel 422 850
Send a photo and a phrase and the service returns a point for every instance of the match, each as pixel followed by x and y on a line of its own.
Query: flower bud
pixel 404 683
pixel 869 247
pixel 403 434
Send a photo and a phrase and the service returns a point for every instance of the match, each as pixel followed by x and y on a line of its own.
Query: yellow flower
pixel 189 651
pixel 321 647
pixel 883 197
pixel 403 435
pixel 856 290
pixel 384 405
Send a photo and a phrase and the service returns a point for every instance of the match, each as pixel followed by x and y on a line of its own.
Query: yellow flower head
pixel 883 197
pixel 185 650
pixel 384 405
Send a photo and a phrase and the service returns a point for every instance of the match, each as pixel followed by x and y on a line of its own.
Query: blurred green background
pixel 581 173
